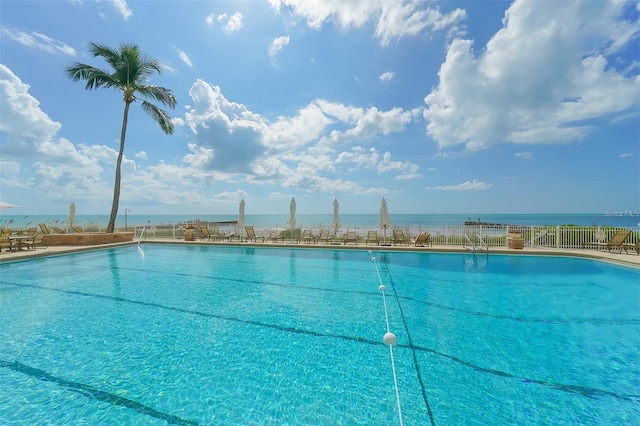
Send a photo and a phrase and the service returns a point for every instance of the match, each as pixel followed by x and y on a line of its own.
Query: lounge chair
pixel 251 234
pixel 37 240
pixel 617 241
pixel 5 231
pixel 275 236
pixel 307 236
pixel 635 247
pixel 399 237
pixel 44 229
pixel 372 237
pixel 204 232
pixel 423 239
pixel 324 236
pixel 351 237
pixel 5 243
pixel 57 230
pixel 77 229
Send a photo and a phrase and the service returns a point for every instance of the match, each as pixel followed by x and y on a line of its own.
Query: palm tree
pixel 129 74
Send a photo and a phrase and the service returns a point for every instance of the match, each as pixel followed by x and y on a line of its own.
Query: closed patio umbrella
pixel 4 205
pixel 241 215
pixel 336 218
pixel 292 217
pixel 384 218
pixel 72 215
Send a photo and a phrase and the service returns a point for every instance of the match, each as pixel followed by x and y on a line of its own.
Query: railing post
pixel 557 236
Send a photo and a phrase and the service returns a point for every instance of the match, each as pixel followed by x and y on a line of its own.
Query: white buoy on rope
pixel 390 339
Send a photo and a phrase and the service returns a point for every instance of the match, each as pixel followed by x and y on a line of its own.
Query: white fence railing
pixel 568 237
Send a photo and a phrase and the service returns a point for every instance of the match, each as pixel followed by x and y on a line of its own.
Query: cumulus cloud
pixel 25 125
pixel 466 186
pixel 302 151
pixel 38 41
pixel 37 157
pixel 537 80
pixel 393 19
pixel 387 76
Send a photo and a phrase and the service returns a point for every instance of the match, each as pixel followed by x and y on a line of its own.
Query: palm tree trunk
pixel 116 186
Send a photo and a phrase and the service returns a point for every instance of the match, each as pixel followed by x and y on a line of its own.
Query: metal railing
pixel 565 237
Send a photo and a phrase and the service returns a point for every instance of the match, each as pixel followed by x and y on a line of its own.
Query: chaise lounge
pixel 617 241
pixel 423 239
pixel 251 234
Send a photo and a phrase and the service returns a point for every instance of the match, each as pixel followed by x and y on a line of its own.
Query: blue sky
pixel 441 107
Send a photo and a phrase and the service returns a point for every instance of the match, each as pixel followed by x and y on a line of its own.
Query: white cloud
pixel 407 19
pixel 234 23
pixel 277 44
pixel 393 19
pixel 26 126
pixel 122 8
pixel 466 186
pixel 229 23
pixel 183 56
pixel 37 40
pixel 626 155
pixel 537 79
pixel 387 76
pixel 294 152
pixel 525 155
pixel 368 123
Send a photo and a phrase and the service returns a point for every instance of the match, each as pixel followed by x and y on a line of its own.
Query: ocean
pixel 624 219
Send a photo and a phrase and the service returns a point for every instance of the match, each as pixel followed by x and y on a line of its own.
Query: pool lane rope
pixel 389 338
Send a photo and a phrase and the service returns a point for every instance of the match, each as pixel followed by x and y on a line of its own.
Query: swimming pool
pixel 172 334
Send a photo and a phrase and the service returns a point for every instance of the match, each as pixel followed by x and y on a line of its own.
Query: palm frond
pixel 112 56
pixel 94 77
pixel 160 94
pixel 161 117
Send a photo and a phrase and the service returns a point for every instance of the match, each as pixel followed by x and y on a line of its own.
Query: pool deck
pixel 622 258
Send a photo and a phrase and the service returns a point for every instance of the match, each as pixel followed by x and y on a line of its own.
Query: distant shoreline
pixel 371 221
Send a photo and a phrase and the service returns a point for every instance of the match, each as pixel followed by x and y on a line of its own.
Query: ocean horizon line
pixel 627 219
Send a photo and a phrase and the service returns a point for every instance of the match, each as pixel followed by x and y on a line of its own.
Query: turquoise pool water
pixel 196 335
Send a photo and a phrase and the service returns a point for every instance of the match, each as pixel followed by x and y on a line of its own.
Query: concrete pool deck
pixel 621 258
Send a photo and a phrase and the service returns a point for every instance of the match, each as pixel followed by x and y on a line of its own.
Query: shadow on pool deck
pixel 628 259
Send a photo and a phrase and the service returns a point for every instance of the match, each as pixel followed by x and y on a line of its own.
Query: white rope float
pixel 389 338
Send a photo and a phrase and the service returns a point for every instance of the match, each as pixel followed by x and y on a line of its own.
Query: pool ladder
pixel 473 246
pixel 141 234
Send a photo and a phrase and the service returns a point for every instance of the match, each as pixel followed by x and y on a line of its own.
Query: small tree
pixel 129 74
